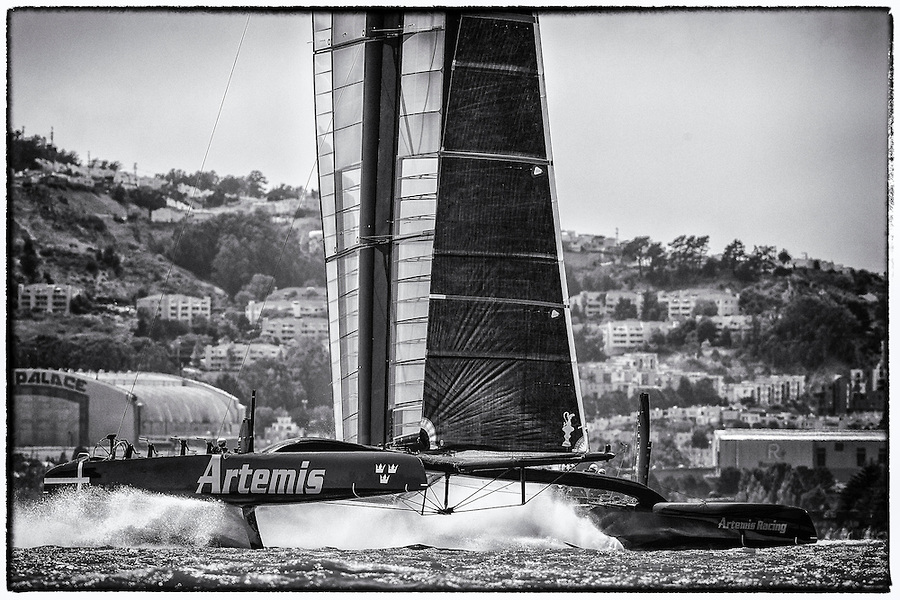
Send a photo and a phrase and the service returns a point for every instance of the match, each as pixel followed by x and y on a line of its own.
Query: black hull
pixel 253 479
pixel 711 525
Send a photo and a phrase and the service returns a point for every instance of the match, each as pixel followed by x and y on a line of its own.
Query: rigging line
pixel 468 498
pixel 472 498
pixel 184 226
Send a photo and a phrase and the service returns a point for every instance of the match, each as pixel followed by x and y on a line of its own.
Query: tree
pixel 729 480
pixel 255 182
pixel 686 392
pixel 589 345
pixel 657 257
pixel 734 255
pixel 29 259
pixel 706 330
pixel 625 309
pixel 147 198
pixel 688 253
pixel 260 286
pixel 637 250
pixel 651 309
pixel 699 439
pixel 705 308
pixel 231 186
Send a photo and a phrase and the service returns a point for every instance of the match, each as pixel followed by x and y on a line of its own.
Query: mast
pixel 355 62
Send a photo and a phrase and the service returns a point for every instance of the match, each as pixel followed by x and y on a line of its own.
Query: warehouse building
pixel 63 410
pixel 842 452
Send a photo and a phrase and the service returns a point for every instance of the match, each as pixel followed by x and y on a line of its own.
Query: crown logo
pixel 379 468
pixel 393 469
pixel 384 478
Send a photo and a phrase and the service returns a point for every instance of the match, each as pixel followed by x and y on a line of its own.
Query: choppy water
pixel 128 540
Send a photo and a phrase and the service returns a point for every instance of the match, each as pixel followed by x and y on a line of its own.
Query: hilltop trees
pixel 229 186
pixel 230 249
pixel 24 152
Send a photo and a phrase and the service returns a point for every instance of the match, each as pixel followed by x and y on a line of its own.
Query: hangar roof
pixel 175 399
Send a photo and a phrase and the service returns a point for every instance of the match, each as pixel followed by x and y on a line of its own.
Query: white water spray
pixel 127 518
pixel 122 518
pixel 546 521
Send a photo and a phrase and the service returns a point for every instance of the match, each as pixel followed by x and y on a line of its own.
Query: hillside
pixel 68 228
pixel 810 320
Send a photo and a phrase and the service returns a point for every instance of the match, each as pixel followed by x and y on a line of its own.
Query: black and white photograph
pixel 476 298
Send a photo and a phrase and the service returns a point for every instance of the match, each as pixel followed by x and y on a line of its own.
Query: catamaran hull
pixel 252 479
pixel 710 525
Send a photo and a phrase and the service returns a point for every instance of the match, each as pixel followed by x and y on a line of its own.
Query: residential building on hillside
pixel 736 324
pixel 176 307
pixel 681 303
pixel 282 429
pixel 613 297
pixel 671 378
pixel 229 356
pixel 767 391
pixel 284 329
pixel 591 304
pixel 621 336
pixel 47 297
pixel 860 391
pixel 299 302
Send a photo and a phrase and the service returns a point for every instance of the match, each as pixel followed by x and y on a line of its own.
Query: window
pixel 839 446
pixel 820 457
pixel 860 457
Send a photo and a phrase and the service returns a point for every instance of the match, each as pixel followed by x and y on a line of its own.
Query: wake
pixel 133 518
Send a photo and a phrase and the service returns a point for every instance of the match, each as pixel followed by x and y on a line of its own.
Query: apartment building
pixel 229 356
pixel 767 391
pixel 176 307
pixel 681 303
pixel 591 304
pixel 621 336
pixel 613 297
pixel 284 329
pixel 47 297
pixel 299 302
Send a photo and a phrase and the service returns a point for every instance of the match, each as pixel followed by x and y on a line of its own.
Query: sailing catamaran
pixel 450 331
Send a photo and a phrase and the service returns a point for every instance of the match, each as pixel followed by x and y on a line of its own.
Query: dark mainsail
pixel 445 278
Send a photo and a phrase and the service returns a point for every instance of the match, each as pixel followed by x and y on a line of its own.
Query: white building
pixel 176 307
pixel 621 336
pixel 229 356
pixel 681 303
pixel 299 302
pixel 47 297
pixel 283 329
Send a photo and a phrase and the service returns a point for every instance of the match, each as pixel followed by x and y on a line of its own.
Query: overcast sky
pixel 768 126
